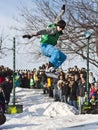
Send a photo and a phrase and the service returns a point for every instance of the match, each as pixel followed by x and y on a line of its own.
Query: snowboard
pixel 51 75
pixel 2 118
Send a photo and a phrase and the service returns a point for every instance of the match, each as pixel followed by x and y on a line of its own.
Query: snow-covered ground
pixel 41 113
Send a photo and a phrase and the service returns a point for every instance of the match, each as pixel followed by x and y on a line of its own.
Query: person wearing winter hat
pixel 93 99
pixel 49 39
pixel 61 24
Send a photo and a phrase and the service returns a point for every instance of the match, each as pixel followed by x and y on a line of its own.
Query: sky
pixel 9 9
pixel 40 112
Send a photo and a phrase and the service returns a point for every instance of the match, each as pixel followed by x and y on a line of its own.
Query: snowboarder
pixel 49 39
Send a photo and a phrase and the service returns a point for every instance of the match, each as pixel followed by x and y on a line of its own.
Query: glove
pixel 27 36
pixel 63 7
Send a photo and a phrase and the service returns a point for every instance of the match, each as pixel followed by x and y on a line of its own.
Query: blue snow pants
pixel 56 57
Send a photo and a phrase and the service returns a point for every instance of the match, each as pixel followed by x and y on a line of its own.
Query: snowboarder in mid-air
pixel 49 39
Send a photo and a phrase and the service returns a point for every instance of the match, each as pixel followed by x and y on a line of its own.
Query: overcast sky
pixel 9 9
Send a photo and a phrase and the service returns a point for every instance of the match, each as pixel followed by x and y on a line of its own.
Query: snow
pixel 40 112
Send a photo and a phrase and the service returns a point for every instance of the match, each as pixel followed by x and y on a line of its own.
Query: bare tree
pixel 80 16
pixel 4 49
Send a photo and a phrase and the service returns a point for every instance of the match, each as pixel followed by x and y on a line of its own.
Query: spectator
pixel 55 90
pixel 81 91
pixel 92 89
pixel 93 99
pixel 7 88
pixel 31 81
pixel 2 100
pixel 22 80
pixel 91 78
pixel 43 81
pixel 50 86
pixel 59 86
pixel 65 91
pixel 36 79
pixel 73 95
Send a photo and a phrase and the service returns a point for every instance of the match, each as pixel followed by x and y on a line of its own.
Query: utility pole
pixel 15 108
pixel 88 35
pixel 14 59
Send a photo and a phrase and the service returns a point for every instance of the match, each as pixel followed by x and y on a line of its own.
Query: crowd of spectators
pixel 70 87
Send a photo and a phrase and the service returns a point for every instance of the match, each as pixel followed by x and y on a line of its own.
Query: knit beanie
pixel 61 24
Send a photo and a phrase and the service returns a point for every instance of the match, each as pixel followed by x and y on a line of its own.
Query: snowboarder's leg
pixel 56 57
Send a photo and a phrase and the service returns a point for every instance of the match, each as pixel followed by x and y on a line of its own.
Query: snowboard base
pixel 51 75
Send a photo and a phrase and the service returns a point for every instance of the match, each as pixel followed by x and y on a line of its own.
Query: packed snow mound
pixel 52 109
pixel 40 105
pixel 60 109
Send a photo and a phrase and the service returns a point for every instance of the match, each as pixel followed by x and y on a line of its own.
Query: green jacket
pixel 50 38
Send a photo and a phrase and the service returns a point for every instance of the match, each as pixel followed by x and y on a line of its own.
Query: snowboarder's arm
pixel 29 36
pixel 50 31
pixel 59 16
